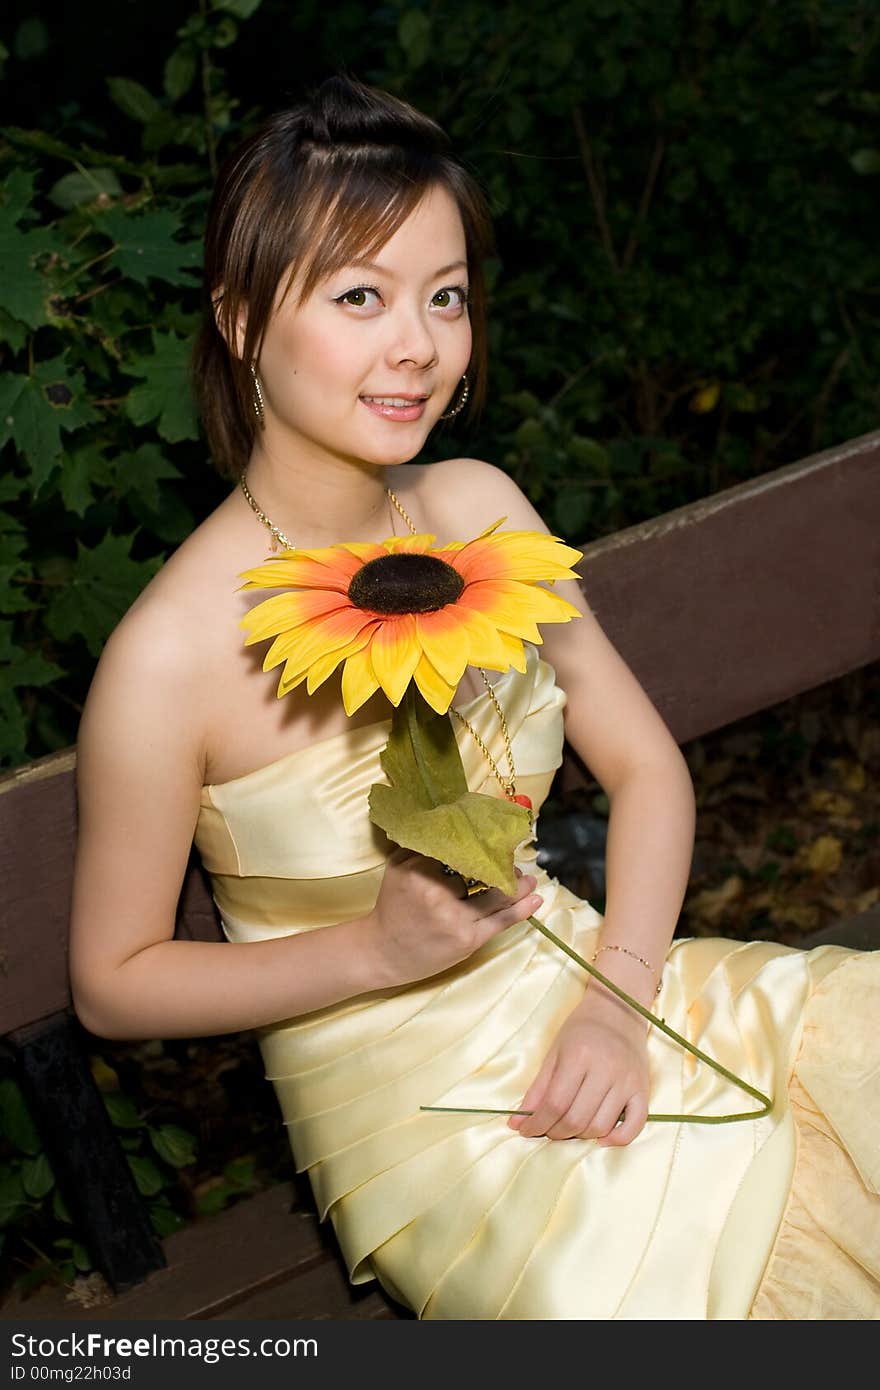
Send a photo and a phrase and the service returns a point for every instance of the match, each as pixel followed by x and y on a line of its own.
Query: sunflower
pixel 403 610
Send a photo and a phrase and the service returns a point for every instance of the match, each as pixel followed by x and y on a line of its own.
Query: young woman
pixel 345 317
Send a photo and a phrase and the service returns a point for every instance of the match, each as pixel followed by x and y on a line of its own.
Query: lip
pixel 403 413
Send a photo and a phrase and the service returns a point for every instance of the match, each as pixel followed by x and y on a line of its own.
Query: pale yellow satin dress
pixel 460 1217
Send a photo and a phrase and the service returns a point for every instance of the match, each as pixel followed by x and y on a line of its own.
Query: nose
pixel 412 339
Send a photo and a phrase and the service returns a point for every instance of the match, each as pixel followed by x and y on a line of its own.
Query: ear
pixel 232 334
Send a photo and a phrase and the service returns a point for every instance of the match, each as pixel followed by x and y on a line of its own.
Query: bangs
pixel 352 220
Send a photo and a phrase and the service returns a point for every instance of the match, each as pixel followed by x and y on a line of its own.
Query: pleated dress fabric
pixel 457 1215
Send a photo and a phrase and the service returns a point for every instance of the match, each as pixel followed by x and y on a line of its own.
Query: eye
pixel 358 296
pixel 451 297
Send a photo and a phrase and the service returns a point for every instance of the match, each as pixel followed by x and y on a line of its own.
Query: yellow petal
pixel 358 680
pixel 285 612
pixel 395 652
pixel 444 642
pixel 326 665
pixel 438 692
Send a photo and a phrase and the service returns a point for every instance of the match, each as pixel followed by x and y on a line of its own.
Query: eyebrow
pixel 384 270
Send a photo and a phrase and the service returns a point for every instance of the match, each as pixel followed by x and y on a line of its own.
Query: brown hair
pixel 316 186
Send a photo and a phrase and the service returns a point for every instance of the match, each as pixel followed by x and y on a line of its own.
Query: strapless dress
pixel 458 1216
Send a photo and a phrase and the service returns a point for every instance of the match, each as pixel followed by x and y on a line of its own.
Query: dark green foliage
pixel 685 293
pixel 37 1234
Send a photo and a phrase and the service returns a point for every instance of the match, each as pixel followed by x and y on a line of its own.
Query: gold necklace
pixel 507 784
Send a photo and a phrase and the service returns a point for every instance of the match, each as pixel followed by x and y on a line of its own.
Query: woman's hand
pixel 595 1073
pixel 423 922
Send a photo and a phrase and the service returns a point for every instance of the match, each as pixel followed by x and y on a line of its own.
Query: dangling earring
pixel 259 409
pixel 461 402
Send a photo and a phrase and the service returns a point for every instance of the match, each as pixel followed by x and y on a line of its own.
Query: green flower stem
pixel 766 1102
pixel 415 738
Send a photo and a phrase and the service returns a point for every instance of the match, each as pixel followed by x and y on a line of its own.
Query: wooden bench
pixel 722 608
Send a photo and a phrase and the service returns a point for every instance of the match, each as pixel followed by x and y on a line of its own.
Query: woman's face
pixel 365 367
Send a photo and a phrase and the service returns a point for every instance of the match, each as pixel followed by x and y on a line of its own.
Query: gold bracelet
pixel 641 960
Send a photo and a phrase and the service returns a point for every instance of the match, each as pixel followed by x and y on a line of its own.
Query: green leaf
pixel 122 1110
pixel 22 668
pixel 141 472
pixel 81 1257
pixel 173 1144
pixel 13 729
pixel 165 1221
pixel 866 161
pixel 76 479
pixel 146 1174
pixel 37 1176
pixel 35 409
pixel 12 1195
pixel 133 99
pixel 414 33
pixel 13 599
pixel 243 9
pixel 103 584
pixel 84 187
pixel 180 69
pixel 12 331
pixel 31 39
pixel 166 390
pixel 15 1118
pixel 428 808
pixel 145 246
pixel 23 288
pixel 60 1209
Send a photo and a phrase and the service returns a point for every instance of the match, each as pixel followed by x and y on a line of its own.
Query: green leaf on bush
pixel 165 393
pixel 15 1118
pixel 146 1174
pixel 20 667
pixel 165 1221
pixel 84 187
pixel 243 9
pixel 145 246
pixel 23 288
pixel 141 472
pixel 60 1209
pixel 173 1144
pixel 133 99
pixel 12 1194
pixel 34 409
pixel 103 584
pixel 122 1110
pixel 180 69
pixel 37 1176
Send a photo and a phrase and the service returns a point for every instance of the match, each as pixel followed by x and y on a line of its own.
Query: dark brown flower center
pixel 405 583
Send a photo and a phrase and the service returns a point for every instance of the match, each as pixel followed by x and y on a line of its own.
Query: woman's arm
pixel 596 1069
pixel 139 778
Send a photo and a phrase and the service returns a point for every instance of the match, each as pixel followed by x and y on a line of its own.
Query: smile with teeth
pixel 403 409
pixel 394 400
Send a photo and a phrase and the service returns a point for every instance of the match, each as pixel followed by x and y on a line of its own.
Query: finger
pixel 606 1114
pixel 559 1096
pixel 634 1118
pixel 507 915
pixel 535 1094
pixel 578 1121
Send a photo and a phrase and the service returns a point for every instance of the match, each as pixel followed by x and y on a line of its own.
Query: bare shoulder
pixel 152 680
pixel 472 491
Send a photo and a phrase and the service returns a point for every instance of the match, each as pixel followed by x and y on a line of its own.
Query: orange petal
pixel 311 643
pixel 301 569
pixel 395 652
